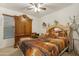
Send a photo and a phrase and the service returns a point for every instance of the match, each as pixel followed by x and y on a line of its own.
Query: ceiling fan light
pixel 39 9
pixel 35 9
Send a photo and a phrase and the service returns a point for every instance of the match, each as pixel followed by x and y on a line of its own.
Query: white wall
pixel 10 41
pixel 36 25
pixel 1 30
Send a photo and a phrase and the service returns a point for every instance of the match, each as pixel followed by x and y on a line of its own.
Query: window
pixel 9 27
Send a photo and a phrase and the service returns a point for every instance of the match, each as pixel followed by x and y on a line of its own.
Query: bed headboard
pixel 58 29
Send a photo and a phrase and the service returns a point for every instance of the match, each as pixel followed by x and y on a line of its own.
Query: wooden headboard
pixel 58 28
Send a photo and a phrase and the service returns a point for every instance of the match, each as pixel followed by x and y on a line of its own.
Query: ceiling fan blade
pixel 42 8
pixel 28 8
pixel 31 3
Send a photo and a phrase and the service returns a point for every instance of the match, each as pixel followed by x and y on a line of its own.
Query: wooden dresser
pixel 23 28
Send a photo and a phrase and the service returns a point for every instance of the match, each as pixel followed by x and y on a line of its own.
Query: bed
pixel 53 43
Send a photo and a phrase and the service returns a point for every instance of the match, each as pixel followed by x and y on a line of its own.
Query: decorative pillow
pixel 62 34
pixel 26 38
pixel 57 29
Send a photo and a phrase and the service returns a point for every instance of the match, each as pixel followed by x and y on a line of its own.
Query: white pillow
pixel 26 38
pixel 57 29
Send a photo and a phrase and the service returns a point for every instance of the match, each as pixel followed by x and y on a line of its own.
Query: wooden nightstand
pixel 35 35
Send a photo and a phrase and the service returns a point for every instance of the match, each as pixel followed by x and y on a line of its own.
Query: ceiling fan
pixel 36 7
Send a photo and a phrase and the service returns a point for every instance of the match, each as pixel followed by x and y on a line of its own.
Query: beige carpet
pixel 17 52
pixel 10 52
pixel 70 54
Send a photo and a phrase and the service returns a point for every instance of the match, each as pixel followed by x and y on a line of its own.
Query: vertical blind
pixel 9 27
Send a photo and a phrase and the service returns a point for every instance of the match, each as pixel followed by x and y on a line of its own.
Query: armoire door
pixel 23 28
pixel 28 28
pixel 19 26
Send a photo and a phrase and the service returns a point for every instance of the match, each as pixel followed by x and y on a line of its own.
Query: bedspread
pixel 42 46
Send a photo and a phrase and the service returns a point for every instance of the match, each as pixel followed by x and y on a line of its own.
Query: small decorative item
pixel 35 35
pixel 48 25
pixel 56 22
pixel 44 24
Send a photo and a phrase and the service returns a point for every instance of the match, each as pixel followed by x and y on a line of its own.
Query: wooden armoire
pixel 23 28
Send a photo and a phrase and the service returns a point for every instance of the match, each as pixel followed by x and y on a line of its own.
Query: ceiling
pixel 22 7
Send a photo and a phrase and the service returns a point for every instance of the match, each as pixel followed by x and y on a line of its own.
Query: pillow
pixel 57 29
pixel 25 38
